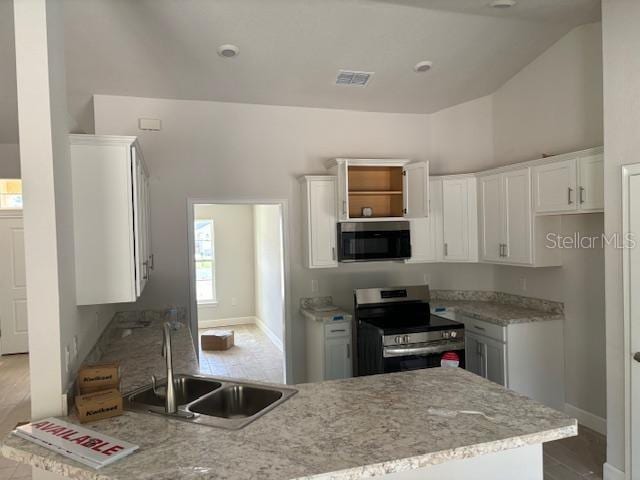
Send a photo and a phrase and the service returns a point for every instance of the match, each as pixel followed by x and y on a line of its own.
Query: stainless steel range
pixel 394 331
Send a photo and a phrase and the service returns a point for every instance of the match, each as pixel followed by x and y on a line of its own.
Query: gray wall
pixel 621 44
pixel 9 160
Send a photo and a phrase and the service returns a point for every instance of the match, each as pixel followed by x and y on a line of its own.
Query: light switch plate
pixel 152 124
pixel 314 286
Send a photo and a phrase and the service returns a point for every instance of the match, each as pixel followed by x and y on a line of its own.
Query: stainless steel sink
pixel 211 401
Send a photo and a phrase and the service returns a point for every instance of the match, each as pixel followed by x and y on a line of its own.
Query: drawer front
pixel 480 327
pixel 337 329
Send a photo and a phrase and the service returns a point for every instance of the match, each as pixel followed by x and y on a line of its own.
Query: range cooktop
pixel 392 325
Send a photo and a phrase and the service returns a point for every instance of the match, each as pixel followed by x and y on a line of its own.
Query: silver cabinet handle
pixel 477 327
pixel 344 208
pixel 338 330
pixel 446 249
pixel 333 253
pixel 500 250
pixel 145 274
pixel 152 261
pixel 505 249
pixel 569 192
pixel 581 195
pixel 348 350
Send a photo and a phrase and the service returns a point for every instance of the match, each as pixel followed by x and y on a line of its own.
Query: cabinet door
pixel 138 222
pixel 517 214
pixel 473 353
pixel 591 179
pixel 343 191
pixel 491 218
pixel 416 190
pixel 455 219
pixel 426 233
pixel 337 358
pixel 494 360
pixel 554 187
pixel 147 198
pixel 322 223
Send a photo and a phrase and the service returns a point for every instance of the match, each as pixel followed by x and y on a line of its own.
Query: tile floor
pixel 253 356
pixel 575 458
pixel 15 406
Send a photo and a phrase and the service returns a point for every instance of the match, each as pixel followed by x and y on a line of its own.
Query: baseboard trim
pixel 272 336
pixel 587 419
pixel 609 472
pixel 225 322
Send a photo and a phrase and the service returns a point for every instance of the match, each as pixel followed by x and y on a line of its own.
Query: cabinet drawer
pixel 337 329
pixel 480 327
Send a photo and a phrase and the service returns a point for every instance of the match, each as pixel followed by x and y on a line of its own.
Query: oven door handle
pixel 427 350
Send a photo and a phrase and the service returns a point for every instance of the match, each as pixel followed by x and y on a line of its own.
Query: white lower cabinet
pixel 525 357
pixel 329 352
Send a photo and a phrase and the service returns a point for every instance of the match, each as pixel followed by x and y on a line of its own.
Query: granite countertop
pixel 322 309
pixel 498 308
pixel 345 429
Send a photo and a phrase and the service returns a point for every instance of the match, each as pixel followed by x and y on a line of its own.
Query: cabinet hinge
pixel 404 210
pixel 404 173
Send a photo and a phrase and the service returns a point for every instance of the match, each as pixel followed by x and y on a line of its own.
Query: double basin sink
pixel 211 401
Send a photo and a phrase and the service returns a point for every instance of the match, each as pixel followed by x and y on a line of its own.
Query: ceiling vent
pixel 354 79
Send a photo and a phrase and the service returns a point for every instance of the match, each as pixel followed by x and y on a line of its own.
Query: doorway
pixel 238 288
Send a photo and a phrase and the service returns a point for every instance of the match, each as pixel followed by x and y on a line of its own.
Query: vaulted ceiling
pixel 291 50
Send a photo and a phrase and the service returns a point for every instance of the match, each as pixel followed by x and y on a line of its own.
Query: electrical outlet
pixel 74 347
pixel 523 284
pixel 314 286
pixel 67 359
pixel 234 301
pixel 426 279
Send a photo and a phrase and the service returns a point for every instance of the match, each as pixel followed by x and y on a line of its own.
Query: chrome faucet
pixel 170 405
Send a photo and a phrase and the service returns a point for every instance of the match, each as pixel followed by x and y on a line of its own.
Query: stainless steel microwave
pixel 373 241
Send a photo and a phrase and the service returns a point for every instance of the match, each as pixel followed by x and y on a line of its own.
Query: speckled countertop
pixel 344 429
pixel 498 308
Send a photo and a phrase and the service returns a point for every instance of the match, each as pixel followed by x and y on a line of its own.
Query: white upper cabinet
pixel 381 189
pixel 571 183
pixel 509 233
pixel 426 233
pixel 111 219
pixel 591 181
pixel 319 222
pixel 459 219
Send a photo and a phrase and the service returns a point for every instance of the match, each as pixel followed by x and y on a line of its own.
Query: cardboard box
pixel 215 340
pixel 94 378
pixel 99 405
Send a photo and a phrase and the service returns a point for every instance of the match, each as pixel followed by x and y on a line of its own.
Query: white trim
pixel 225 322
pixel 627 171
pixel 288 316
pixel 609 472
pixel 587 419
pixel 269 333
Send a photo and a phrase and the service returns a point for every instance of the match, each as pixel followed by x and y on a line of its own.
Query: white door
pixel 631 267
pixel 554 187
pixel 491 218
pixel 337 359
pixel 591 189
pixel 455 218
pixel 322 218
pixel 517 215
pixel 13 288
pixel 416 190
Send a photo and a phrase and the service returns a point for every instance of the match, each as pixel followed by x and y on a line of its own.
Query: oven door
pixel 369 241
pixel 413 357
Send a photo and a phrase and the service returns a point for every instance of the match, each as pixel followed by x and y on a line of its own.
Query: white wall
pixel 9 160
pixel 233 237
pixel 269 281
pixel 54 319
pixel 554 104
pixel 621 43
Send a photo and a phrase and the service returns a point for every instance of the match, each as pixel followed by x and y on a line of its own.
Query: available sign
pixel 80 444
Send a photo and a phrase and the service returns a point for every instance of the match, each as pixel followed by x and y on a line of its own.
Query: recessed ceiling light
pixel 228 51
pixel 503 3
pixel 422 67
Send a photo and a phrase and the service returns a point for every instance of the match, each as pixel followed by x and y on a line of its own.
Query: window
pixel 205 261
pixel 10 194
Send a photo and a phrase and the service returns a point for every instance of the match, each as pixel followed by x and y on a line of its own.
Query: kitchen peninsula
pixel 447 422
